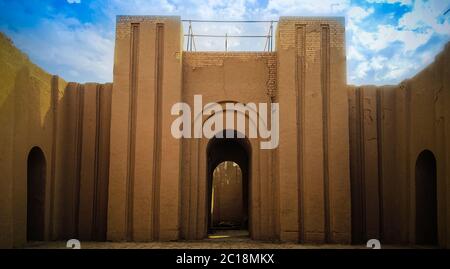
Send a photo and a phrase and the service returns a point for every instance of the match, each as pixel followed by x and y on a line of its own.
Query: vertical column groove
pixel 380 160
pixel 132 127
pixel 362 161
pixel 54 86
pixel 410 183
pixel 197 189
pixel 300 85
pixel 325 80
pixel 78 154
pixel 96 164
pixel 159 60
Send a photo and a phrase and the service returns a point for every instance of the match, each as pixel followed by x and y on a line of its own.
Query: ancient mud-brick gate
pixel 159 186
pixel 99 162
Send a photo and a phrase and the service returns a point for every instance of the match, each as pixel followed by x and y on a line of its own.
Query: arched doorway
pixel 36 194
pixel 426 199
pixel 231 152
pixel 226 199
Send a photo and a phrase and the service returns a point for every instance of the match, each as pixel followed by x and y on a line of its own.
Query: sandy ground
pixel 218 240
pixel 203 244
pixel 184 245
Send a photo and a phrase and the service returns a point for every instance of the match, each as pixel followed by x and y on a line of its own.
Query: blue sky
pixel 387 40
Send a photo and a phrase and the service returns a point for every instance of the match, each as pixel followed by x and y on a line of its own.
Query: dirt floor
pixel 217 240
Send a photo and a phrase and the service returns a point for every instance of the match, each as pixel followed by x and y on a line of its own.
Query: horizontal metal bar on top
pixel 266 36
pixel 227 21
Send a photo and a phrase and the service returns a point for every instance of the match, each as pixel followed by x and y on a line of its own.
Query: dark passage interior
pixel 35 195
pixel 226 199
pixel 426 199
pixel 228 185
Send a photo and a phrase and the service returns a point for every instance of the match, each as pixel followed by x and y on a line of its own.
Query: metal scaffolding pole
pixel 190 43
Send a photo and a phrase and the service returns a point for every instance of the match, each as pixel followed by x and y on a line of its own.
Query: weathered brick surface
pixel 110 155
pixel 390 127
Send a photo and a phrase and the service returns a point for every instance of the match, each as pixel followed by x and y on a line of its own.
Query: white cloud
pixel 391 50
pixel 396 69
pixel 375 52
pixel 356 14
pixel 366 46
pixel 402 2
pixel 426 14
pixel 354 54
pixel 385 35
pixel 297 7
pixel 426 57
pixel 360 71
pixel 378 62
pixel 64 46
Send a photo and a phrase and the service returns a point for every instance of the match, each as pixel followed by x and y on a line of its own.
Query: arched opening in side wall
pixel 228 204
pixel 36 194
pixel 426 199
